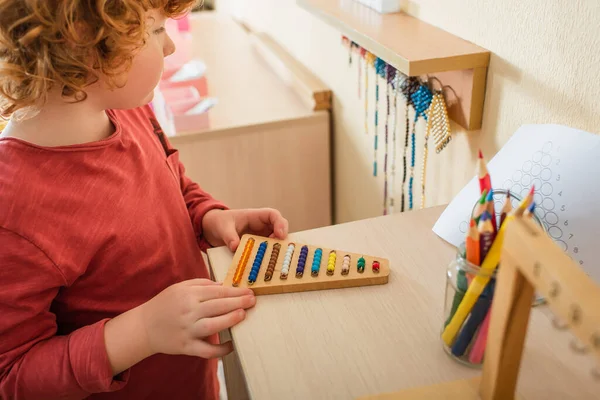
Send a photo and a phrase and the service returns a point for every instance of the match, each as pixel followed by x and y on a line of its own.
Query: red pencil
pixel 485 182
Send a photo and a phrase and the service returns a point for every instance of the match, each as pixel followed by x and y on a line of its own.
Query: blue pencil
pixel 476 318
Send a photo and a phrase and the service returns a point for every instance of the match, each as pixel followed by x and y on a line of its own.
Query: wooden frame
pixel 530 262
pixel 416 49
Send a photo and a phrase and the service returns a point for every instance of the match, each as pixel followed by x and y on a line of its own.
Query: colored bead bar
pixel 331 262
pixel 285 268
pixel 316 264
pixel 375 266
pixel 272 261
pixel 260 254
pixel 301 261
pixel 346 265
pixel 360 265
pixel 237 277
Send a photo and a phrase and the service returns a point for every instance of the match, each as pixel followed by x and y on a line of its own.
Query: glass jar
pixel 464 329
pixel 464 343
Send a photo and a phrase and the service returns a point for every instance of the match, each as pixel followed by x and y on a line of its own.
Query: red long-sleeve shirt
pixel 88 232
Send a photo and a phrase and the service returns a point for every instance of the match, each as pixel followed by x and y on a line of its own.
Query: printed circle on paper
pixel 507 184
pixel 540 212
pixel 516 188
pixel 537 156
pixel 537 198
pixel 555 232
pixel 463 226
pixel 546 189
pixel 536 170
pixel 546 174
pixel 547 147
pixel 551 218
pixel 526 180
pixel 548 204
pixel 527 165
pixel 536 182
pixel 517 176
pixel 546 160
pixel 562 245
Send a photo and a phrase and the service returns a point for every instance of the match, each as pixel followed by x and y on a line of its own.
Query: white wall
pixel 545 59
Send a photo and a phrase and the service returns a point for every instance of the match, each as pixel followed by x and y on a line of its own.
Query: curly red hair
pixel 68 43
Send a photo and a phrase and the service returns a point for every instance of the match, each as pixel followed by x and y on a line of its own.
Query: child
pixel 103 290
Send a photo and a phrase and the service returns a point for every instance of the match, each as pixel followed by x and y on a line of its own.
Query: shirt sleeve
pixel 34 362
pixel 198 204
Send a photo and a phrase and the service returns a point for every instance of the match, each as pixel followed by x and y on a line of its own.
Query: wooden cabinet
pixel 267 143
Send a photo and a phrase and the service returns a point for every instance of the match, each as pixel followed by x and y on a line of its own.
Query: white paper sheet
pixel 564 165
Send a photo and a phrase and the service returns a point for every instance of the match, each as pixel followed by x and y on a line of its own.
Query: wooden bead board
pixel 307 282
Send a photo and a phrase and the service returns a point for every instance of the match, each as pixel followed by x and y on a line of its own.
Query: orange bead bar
pixel 237 278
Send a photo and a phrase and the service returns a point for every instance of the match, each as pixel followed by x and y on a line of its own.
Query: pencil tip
pixel 490 195
pixel 532 190
pixel 531 207
pixel 480 154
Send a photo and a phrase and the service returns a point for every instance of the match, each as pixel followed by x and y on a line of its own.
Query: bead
pixel 331 262
pixel 346 265
pixel 237 277
pixel 360 264
pixel 287 260
pixel 272 261
pixel 257 262
pixel 316 264
pixel 375 266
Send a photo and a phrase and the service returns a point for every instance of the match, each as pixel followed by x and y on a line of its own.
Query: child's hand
pixel 178 319
pixel 224 227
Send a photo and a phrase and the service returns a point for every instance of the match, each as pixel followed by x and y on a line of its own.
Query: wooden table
pixel 261 128
pixel 346 343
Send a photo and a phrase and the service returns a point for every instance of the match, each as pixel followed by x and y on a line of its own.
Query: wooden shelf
pixel 416 49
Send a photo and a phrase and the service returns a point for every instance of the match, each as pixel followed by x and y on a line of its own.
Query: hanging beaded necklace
pixel 398 80
pixel 421 101
pixel 369 62
pixel 379 71
pixel 437 121
pixel 408 87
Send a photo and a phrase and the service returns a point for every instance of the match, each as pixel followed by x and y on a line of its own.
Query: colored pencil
pixel 529 212
pixel 463 285
pixel 486 235
pixel 506 209
pixel 478 349
pixel 489 206
pixel 481 207
pixel 526 202
pixel 485 181
pixel 480 309
pixel 473 246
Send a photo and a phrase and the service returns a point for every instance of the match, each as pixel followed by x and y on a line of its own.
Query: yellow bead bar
pixel 331 263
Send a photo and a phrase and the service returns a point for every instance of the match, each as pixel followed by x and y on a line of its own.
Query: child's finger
pixel 200 282
pixel 200 348
pixel 209 326
pixel 216 307
pixel 205 293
